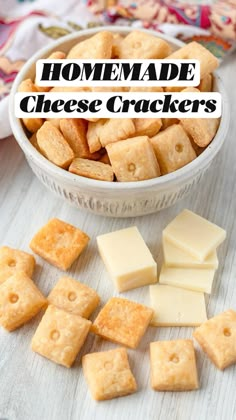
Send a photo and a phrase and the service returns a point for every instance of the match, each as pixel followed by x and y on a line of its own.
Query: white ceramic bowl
pixel 106 198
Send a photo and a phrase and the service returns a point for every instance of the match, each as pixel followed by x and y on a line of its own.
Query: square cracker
pixel 74 131
pixel 206 83
pixel 173 366
pixel 147 126
pixel 13 260
pixel 122 321
pixel 93 134
pixel 59 243
pixel 97 46
pixel 20 300
pixel 73 296
pixel 201 130
pixel 193 50
pixel 92 169
pixel 141 45
pixel 60 336
pixel 133 159
pixel 108 374
pixel 217 337
pixel 54 146
pixel 172 148
pixel 109 131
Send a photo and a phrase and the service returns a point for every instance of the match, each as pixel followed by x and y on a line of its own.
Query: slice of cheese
pixel 188 278
pixel 175 257
pixel 127 259
pixel 194 234
pixel 174 307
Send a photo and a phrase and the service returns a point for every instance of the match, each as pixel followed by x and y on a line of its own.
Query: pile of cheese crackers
pixel 124 149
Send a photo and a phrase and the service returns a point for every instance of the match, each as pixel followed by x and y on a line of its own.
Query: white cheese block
pixel 188 278
pixel 127 259
pixel 194 234
pixel 176 257
pixel 174 307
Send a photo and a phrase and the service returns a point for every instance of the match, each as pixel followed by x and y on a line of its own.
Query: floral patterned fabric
pixel 27 25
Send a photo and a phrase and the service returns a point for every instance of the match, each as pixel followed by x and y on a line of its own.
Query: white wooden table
pixel 33 388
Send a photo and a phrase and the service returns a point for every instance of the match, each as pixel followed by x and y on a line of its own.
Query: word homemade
pixel 123 72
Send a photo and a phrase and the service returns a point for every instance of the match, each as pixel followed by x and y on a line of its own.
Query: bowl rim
pixel 76 180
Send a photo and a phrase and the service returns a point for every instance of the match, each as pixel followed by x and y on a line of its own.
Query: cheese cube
pixel 175 307
pixel 175 257
pixel 127 259
pixel 188 278
pixel 194 234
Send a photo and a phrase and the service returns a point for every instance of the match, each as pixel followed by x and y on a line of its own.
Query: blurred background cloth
pixel 27 25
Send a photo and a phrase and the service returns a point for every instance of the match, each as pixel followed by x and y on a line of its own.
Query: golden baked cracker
pixel 54 121
pixel 133 159
pixel 147 126
pixel 73 296
pixel 13 260
pixel 173 148
pixel 115 130
pixel 201 130
pixel 206 83
pixel 70 89
pixel 97 46
pixel 108 374
pixel 54 146
pixel 146 89
pixel 60 336
pixel 33 141
pixel 217 337
pixel 74 131
pixel 173 366
pixel 173 88
pixel 20 301
pixel 59 243
pixel 92 119
pixel 167 122
pixel 193 50
pixel 92 169
pixel 141 45
pixel 32 124
pixel 109 131
pixel 116 40
pixel 55 55
pixel 109 89
pixel 122 321
pixel 93 135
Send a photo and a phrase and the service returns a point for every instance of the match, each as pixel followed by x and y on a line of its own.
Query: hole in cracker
pixel 174 358
pixel 72 296
pixel 137 44
pixel 227 332
pixel 12 263
pixel 179 148
pixel 55 335
pixel 13 298
pixel 131 167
